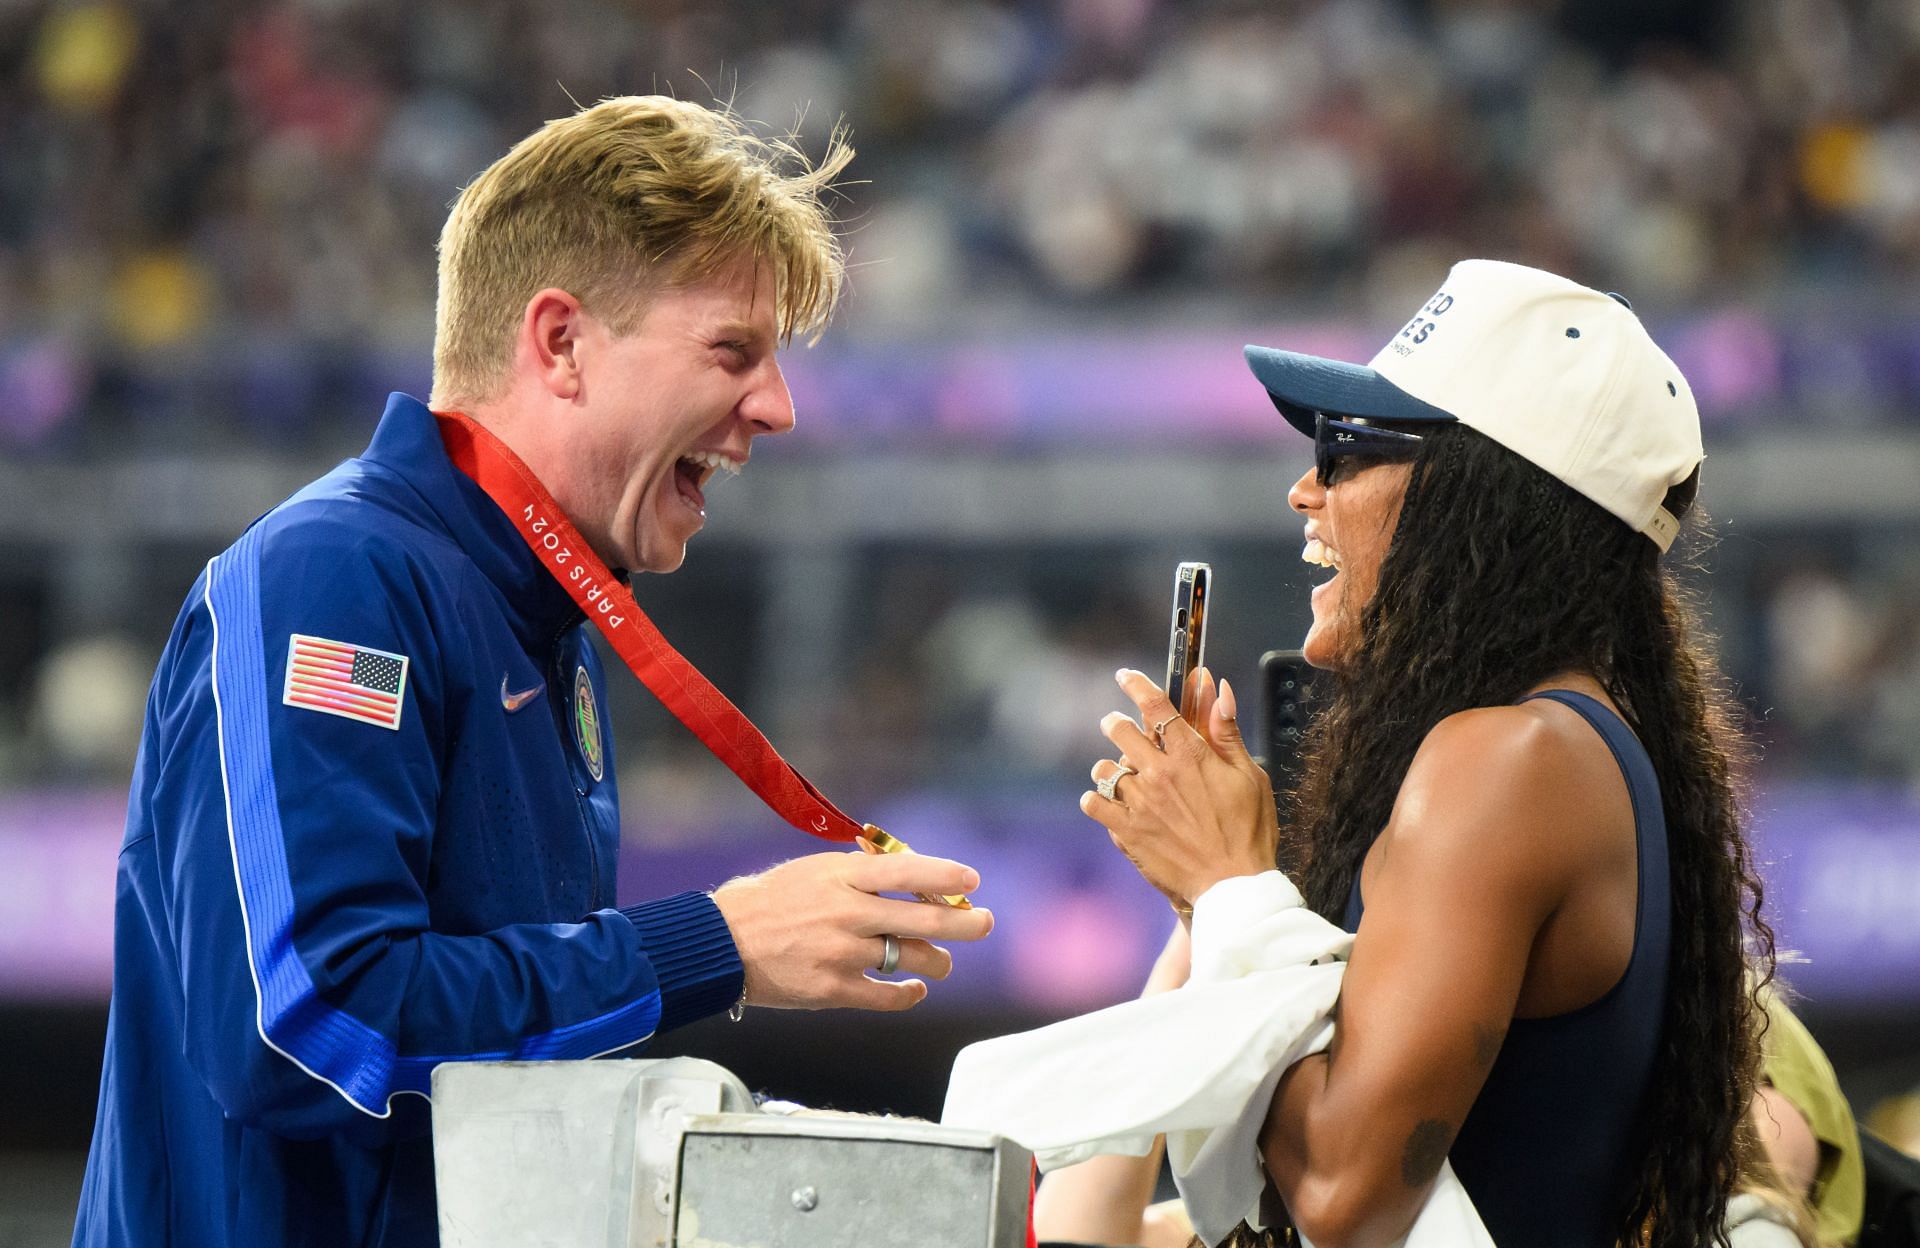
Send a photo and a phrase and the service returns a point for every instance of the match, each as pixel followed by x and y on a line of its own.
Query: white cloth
pixel 1199 1064
pixel 1753 1223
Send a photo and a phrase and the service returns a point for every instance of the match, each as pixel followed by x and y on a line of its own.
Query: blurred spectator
pixel 172 173
pixel 88 703
pixel 1842 669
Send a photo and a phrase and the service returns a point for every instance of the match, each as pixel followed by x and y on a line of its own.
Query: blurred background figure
pixel 216 227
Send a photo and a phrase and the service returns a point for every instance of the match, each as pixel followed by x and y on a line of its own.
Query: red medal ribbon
pixel 721 726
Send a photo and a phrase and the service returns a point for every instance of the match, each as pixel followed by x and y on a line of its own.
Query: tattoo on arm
pixel 1428 1142
pixel 1427 1146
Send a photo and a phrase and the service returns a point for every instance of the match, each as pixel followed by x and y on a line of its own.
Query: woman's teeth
pixel 1318 552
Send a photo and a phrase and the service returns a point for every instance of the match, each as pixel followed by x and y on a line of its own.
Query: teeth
pixel 712 460
pixel 1318 552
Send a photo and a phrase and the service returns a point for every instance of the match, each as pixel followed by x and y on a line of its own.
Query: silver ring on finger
pixel 1108 786
pixel 1160 730
pixel 889 955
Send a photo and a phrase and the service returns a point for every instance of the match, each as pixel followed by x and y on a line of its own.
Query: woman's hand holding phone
pixel 1191 807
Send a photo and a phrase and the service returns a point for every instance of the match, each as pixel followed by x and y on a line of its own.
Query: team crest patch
pixel 586 726
pixel 353 682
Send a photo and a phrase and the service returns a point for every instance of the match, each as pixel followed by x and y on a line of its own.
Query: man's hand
pixel 808 930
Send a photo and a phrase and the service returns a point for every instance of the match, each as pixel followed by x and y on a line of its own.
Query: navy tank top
pixel 1546 1149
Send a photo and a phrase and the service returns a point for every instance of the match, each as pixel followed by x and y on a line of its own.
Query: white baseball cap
pixel 1564 376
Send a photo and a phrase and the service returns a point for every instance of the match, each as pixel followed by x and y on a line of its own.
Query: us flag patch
pixel 356 682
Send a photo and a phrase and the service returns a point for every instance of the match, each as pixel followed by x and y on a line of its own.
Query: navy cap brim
pixel 1301 385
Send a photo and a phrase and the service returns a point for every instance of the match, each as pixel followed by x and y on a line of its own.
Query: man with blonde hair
pixel 374 820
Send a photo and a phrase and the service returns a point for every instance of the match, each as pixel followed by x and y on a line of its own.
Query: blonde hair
pixel 620 199
pixel 1760 1178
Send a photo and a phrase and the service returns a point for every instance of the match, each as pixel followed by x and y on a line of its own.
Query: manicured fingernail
pixel 1228 707
pixel 1120 677
pixel 970 881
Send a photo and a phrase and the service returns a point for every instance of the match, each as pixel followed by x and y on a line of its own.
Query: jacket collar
pixel 407 444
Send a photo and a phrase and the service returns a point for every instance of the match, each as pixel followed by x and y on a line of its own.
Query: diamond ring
pixel 1107 786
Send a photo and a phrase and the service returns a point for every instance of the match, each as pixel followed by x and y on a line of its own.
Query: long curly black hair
pixel 1500 577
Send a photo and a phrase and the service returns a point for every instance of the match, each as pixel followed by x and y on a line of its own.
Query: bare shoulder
pixel 1529 787
pixel 1525 744
pixel 1538 753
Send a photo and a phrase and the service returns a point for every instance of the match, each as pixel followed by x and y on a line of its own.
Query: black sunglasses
pixel 1335 440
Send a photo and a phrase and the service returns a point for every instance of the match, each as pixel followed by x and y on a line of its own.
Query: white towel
pixel 1199 1064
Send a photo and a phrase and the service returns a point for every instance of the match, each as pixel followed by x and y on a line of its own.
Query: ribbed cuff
pixel 693 956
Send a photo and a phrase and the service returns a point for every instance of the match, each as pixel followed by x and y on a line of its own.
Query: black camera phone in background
pixel 1286 688
pixel 1286 706
pixel 1187 636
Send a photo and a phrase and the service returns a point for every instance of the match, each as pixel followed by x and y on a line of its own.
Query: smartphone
pixel 1187 640
pixel 1286 683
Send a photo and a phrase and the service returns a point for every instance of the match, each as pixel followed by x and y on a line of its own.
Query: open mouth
pixel 1321 555
pixel 692 472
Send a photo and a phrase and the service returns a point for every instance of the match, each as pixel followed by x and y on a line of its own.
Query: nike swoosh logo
pixel 514 701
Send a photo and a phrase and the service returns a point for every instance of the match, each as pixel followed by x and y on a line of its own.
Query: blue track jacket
pixel 327 889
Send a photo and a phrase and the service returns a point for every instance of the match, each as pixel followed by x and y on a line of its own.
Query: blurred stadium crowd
pixel 217 220
pixel 232 169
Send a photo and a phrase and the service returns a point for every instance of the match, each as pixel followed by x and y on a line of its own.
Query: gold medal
pixel 875 841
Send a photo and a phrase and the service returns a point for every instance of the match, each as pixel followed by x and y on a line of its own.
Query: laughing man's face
pixel 665 408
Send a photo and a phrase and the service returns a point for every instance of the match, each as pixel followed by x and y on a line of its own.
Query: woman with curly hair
pixel 1520 796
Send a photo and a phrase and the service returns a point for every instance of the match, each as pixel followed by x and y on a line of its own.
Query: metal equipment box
pixel 806 1181
pixel 673 1154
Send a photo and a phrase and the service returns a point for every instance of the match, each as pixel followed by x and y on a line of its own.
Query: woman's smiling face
pixel 1349 528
